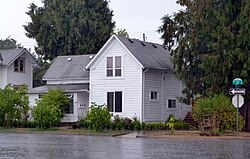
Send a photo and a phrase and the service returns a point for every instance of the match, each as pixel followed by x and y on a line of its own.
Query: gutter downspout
pixel 162 94
pixel 143 95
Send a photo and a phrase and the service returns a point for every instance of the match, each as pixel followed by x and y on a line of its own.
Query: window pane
pixel 21 62
pixel 118 62
pixel 109 62
pixel 154 95
pixel 110 101
pixel 171 103
pixel 109 73
pixel 16 65
pixel 69 108
pixel 118 72
pixel 118 101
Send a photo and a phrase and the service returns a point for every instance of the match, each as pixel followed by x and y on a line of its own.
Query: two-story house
pixel 16 68
pixel 136 79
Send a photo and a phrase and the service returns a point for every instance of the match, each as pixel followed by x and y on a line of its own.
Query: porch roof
pixel 70 88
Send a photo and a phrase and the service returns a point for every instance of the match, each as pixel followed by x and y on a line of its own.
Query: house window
pixel 69 108
pixel 171 103
pixel 114 66
pixel 154 95
pixel 19 65
pixel 114 101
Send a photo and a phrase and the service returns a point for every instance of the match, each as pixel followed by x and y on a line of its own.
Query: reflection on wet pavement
pixel 51 146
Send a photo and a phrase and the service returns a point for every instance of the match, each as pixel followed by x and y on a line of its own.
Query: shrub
pixel 171 124
pixel 13 105
pixel 50 109
pixel 220 109
pixel 98 117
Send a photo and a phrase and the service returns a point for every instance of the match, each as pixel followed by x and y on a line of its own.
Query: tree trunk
pixel 245 109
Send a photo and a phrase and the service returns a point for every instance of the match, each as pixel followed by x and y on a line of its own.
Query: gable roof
pixel 68 67
pixel 149 55
pixel 8 56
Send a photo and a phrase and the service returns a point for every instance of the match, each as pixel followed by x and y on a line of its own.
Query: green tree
pixel 40 71
pixel 63 27
pixel 122 32
pixel 50 109
pixel 209 42
pixel 8 43
pixel 220 108
pixel 13 105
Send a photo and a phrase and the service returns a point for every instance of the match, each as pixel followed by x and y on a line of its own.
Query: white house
pixel 16 68
pixel 133 78
pixel 136 79
pixel 67 73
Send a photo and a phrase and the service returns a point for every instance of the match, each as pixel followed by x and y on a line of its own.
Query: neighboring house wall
pixel 20 78
pixel 130 83
pixel 3 78
pixel 167 88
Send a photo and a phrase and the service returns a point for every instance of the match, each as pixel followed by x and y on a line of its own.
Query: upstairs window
pixel 114 66
pixel 19 65
pixel 171 103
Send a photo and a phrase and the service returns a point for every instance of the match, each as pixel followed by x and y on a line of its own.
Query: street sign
pixel 234 91
pixel 240 100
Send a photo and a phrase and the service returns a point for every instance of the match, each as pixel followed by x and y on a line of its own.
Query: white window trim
pixel 122 67
pixel 19 66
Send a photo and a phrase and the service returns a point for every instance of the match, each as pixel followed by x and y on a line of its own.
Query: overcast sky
pixel 136 16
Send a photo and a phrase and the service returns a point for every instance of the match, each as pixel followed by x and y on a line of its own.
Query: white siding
pixel 129 83
pixel 169 88
pixel 20 78
pixel 3 79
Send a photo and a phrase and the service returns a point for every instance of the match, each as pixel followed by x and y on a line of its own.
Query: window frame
pixel 70 106
pixel 114 68
pixel 19 65
pixel 172 103
pixel 114 107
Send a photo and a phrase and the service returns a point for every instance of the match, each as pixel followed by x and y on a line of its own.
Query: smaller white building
pixel 16 68
pixel 67 73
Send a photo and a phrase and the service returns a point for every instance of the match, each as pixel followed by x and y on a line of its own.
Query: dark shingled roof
pixel 68 67
pixel 150 55
pixel 8 55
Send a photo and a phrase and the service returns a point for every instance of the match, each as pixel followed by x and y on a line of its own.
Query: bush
pixel 220 109
pixel 98 117
pixel 13 105
pixel 50 109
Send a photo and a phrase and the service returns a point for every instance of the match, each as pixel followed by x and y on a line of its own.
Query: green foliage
pixel 98 117
pixel 39 72
pixel 171 124
pixel 221 109
pixel 9 43
pixel 122 32
pixel 13 105
pixel 50 109
pixel 209 41
pixel 63 27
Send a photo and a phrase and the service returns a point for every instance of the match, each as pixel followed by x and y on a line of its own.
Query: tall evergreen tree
pixel 63 27
pixel 209 41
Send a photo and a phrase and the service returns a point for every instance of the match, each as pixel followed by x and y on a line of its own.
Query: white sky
pixel 136 16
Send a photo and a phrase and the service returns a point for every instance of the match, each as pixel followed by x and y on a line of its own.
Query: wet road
pixel 51 146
